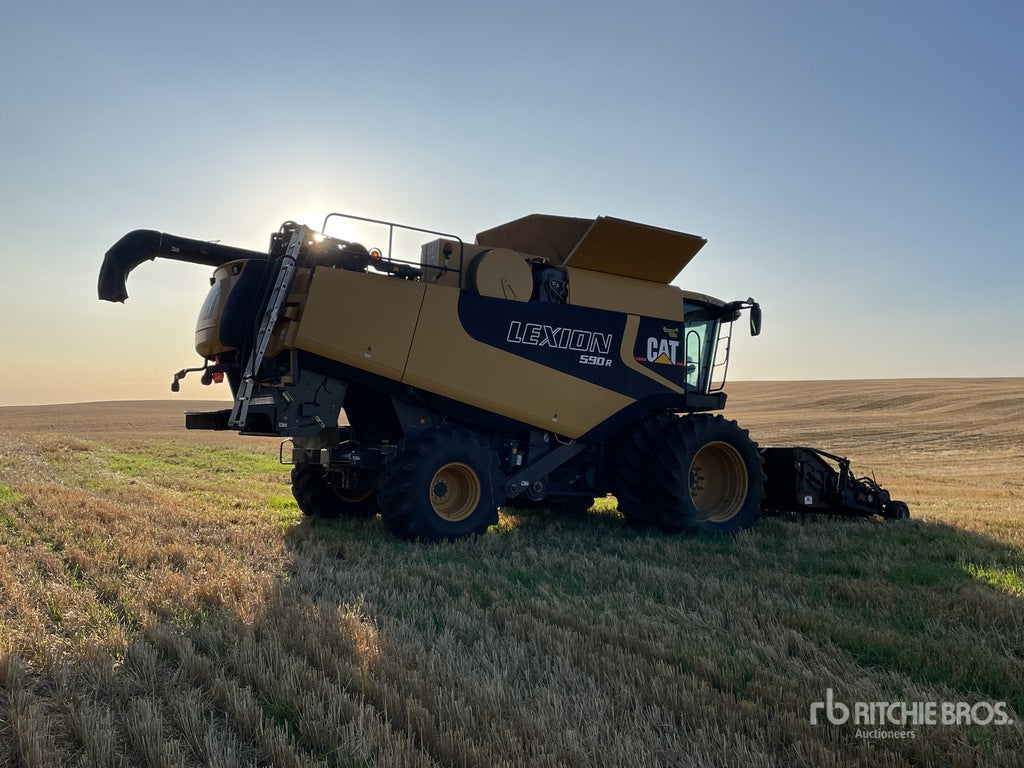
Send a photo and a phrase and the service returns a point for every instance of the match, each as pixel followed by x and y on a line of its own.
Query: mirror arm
pixel 732 310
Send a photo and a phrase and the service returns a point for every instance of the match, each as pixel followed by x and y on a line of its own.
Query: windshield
pixel 701 337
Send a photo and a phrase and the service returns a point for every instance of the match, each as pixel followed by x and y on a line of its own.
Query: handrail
pixel 724 333
pixel 391 230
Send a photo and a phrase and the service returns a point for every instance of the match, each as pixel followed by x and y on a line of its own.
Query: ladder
pixel 279 292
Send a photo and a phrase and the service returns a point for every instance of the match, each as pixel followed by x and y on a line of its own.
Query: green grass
pixel 8 499
pixel 160 457
pixel 1007 578
pixel 8 496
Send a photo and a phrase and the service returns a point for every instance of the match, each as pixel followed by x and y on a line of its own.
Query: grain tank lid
pixel 629 249
pixel 605 244
pixel 539 234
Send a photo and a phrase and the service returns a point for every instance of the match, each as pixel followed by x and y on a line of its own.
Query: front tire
pixel 709 476
pixel 444 483
pixel 635 492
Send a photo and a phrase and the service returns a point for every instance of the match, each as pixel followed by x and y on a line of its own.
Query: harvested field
pixel 164 603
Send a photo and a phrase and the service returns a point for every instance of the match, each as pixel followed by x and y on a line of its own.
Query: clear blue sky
pixel 857 167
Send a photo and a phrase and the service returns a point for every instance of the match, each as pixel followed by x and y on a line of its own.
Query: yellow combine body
pixel 548 362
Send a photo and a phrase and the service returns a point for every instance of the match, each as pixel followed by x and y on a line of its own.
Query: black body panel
pixel 241 311
pixel 556 336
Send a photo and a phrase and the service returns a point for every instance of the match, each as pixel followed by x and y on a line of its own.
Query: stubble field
pixel 164 603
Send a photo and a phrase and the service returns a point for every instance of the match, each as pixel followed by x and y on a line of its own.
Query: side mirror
pixel 755 319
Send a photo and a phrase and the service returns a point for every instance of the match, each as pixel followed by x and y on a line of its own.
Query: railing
pixel 724 335
pixel 392 226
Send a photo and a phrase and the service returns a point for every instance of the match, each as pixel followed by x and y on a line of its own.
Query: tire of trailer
pixel 896 510
pixel 708 476
pixel 443 483
pixel 317 496
pixel 634 487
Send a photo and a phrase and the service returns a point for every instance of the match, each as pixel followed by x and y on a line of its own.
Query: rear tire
pixel 318 495
pixel 709 476
pixel 444 483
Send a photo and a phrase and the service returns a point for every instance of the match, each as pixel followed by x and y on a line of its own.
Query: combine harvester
pixel 547 363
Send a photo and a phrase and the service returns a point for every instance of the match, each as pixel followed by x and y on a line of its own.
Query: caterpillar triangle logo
pixel 663 359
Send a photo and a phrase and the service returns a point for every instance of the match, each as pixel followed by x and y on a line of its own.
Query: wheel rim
pixel 362 491
pixel 718 482
pixel 352 497
pixel 454 492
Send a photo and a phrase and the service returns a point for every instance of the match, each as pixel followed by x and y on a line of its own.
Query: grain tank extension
pixel 547 363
